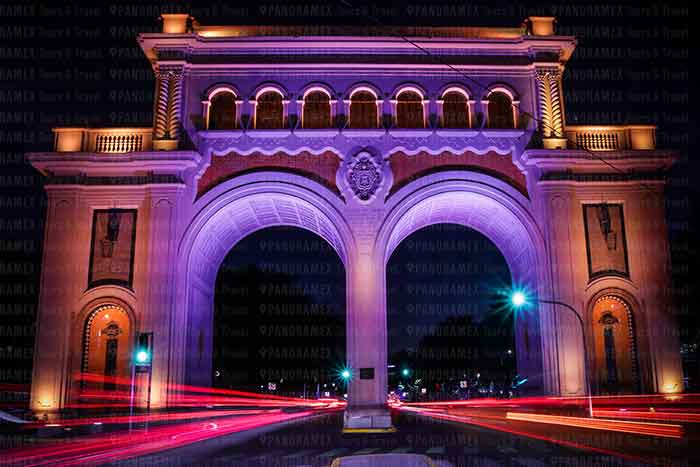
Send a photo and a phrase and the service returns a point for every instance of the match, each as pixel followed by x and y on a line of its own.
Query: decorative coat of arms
pixel 112 330
pixel 364 177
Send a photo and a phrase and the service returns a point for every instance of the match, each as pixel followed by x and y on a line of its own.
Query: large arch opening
pixel 279 315
pixel 503 215
pixel 450 334
pixel 227 215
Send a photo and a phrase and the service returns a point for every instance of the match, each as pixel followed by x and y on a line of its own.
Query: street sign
pixel 366 373
pixel 271 386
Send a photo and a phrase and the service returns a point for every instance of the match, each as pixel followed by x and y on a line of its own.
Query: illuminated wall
pixel 199 180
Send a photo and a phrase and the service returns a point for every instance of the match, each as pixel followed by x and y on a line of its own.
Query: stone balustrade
pixel 103 140
pixel 611 137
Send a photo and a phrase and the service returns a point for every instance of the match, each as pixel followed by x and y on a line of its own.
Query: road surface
pixel 317 442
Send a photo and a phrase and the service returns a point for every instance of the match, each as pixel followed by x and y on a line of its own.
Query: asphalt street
pixel 318 441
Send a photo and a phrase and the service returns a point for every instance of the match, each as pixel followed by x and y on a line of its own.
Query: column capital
pixel 542 70
pixel 169 71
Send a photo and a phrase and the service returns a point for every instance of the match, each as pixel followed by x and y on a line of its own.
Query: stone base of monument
pixel 368 420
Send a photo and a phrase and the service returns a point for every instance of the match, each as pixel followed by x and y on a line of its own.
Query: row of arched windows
pixel 364 109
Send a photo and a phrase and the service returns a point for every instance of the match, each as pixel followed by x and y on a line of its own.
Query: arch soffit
pixel 456 87
pixel 239 207
pixel 503 88
pixel 363 86
pixel 317 86
pixel 477 201
pixel 410 87
pixel 617 288
pixel 106 295
pixel 269 87
pixel 220 88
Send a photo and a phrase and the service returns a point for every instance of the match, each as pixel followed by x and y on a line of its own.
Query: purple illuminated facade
pixel 361 139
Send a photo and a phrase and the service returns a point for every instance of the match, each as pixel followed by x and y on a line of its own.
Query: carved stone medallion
pixel 364 176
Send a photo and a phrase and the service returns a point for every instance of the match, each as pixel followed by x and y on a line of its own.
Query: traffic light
pixel 143 354
pixel 518 299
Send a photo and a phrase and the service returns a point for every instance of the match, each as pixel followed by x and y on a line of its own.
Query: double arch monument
pixel 140 219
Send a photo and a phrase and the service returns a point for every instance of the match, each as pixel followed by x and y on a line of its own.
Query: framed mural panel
pixel 112 247
pixel 606 244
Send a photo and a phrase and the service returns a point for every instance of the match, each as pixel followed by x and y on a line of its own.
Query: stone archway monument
pixel 144 216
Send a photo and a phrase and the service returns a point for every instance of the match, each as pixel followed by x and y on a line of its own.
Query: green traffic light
pixel 518 299
pixel 405 372
pixel 142 356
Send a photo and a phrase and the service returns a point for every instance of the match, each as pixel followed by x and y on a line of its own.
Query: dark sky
pixel 79 64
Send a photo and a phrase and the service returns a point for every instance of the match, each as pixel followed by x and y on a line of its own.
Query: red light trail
pixel 528 434
pixel 113 446
pixel 638 428
pixel 173 429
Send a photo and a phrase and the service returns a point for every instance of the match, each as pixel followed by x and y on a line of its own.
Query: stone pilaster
pixel 163 204
pixel 174 104
pixel 59 288
pixel 160 126
pixel 551 108
pixel 167 119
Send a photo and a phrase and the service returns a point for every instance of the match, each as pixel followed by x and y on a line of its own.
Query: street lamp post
pixel 518 299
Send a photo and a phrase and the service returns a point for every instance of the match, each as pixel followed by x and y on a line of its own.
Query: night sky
pixel 79 64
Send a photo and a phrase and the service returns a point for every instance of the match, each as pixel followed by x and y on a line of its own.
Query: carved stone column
pixel 167 121
pixel 160 126
pixel 545 103
pixel 551 108
pixel 556 99
pixel 364 180
pixel 174 104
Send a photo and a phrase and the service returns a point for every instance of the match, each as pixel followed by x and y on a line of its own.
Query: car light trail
pixel 638 428
pixel 111 447
pixel 156 417
pixel 528 434
pixel 665 415
pixel 181 395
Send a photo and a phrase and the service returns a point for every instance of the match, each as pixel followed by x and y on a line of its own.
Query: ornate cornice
pixel 347 142
pixel 150 179
pixel 603 177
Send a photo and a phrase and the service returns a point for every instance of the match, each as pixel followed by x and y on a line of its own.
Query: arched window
pixel 317 110
pixel 615 352
pixel 409 110
pixel 500 110
pixel 269 111
pixel 363 110
pixel 455 110
pixel 106 348
pixel 222 111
